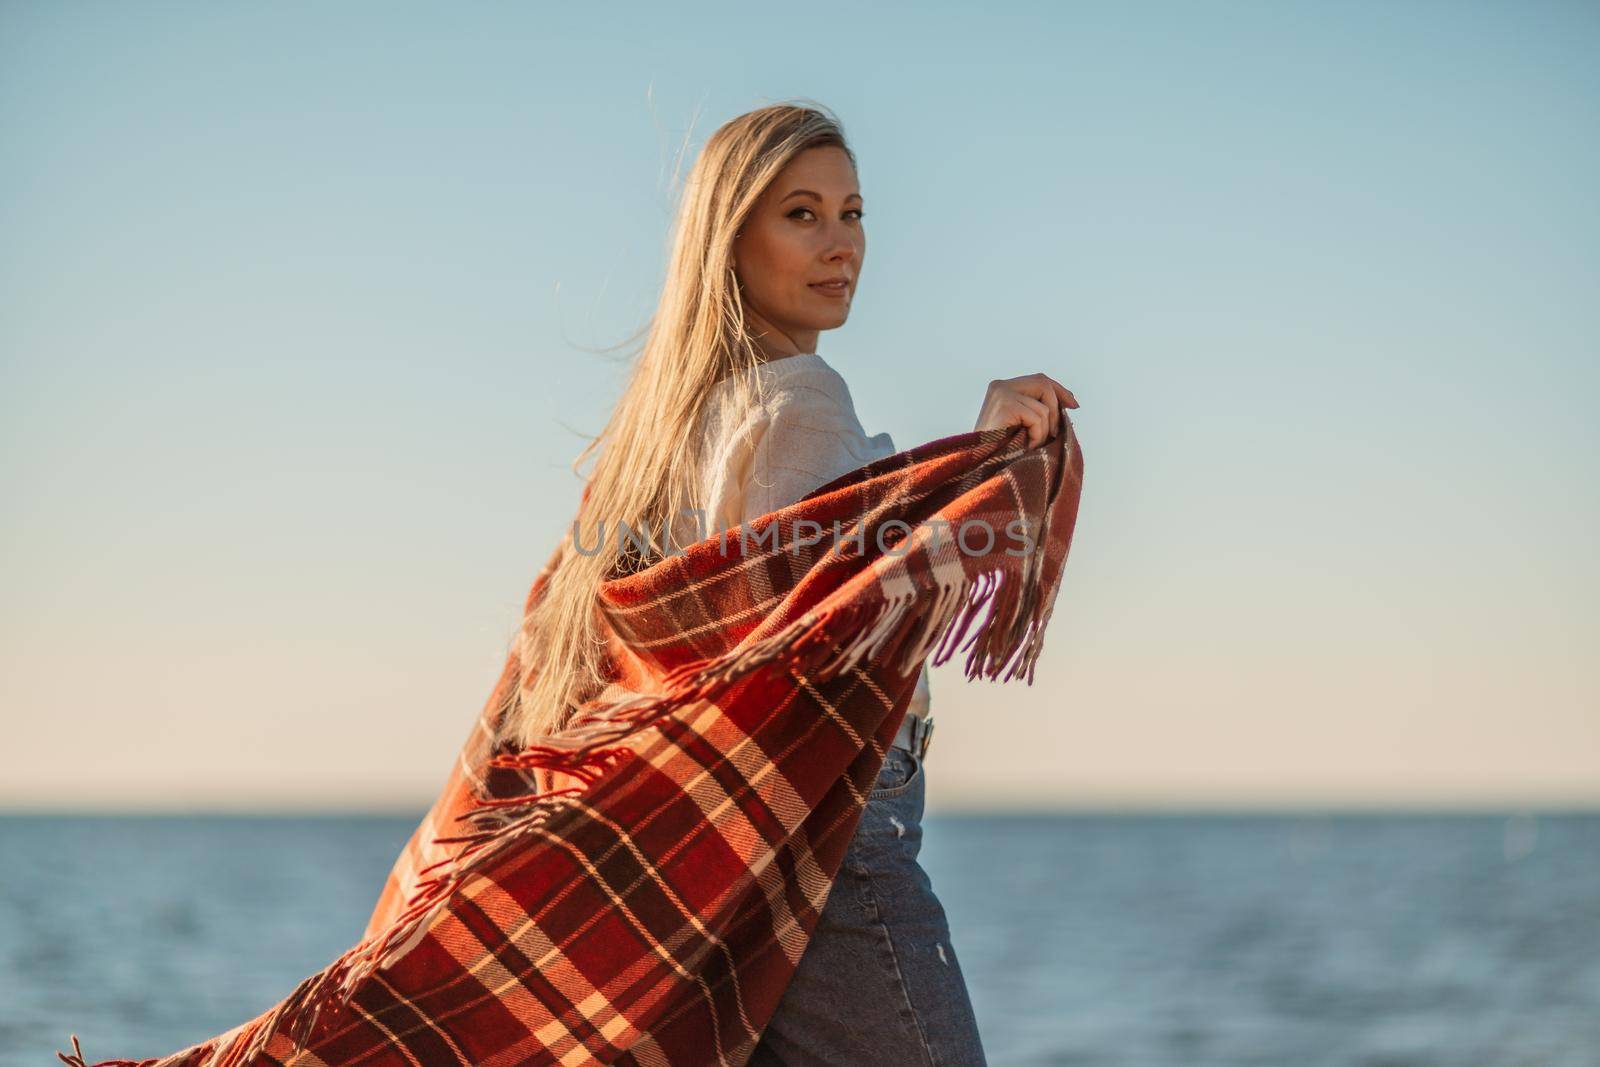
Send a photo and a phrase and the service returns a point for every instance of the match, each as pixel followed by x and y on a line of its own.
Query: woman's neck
pixel 776 344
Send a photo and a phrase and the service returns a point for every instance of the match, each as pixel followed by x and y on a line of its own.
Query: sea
pixel 1290 940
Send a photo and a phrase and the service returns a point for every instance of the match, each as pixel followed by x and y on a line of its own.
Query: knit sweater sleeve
pixel 805 436
pixel 805 441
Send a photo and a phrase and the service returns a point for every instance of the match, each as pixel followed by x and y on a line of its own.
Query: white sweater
pixel 805 435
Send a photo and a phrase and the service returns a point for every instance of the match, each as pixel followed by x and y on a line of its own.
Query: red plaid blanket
pixel 638 889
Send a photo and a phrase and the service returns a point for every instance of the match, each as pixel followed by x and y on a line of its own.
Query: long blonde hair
pixel 650 456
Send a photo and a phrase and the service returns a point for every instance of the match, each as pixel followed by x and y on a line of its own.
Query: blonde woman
pixel 730 413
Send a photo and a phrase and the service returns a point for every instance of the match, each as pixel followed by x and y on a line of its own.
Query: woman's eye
pixel 857 212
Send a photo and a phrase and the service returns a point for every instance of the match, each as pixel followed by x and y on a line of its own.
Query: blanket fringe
pixel 893 630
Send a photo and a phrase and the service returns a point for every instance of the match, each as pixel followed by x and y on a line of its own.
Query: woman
pixel 730 413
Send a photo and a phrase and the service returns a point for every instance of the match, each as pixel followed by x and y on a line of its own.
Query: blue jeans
pixel 879 982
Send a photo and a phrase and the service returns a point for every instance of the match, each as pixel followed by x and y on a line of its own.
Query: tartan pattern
pixel 638 888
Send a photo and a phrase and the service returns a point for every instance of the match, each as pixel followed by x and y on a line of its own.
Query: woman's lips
pixel 837 290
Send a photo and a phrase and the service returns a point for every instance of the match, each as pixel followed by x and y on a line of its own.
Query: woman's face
pixel 805 230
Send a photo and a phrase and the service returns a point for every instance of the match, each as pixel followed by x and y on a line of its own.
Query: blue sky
pixel 301 319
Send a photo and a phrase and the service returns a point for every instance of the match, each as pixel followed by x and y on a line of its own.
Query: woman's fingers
pixel 1063 393
pixel 1035 415
pixel 1047 392
pixel 1032 400
pixel 1052 391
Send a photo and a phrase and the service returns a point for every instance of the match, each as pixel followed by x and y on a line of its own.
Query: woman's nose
pixel 842 245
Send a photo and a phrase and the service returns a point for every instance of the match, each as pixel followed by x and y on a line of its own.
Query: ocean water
pixel 1304 940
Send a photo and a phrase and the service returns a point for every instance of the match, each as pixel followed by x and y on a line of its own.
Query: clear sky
pixel 300 311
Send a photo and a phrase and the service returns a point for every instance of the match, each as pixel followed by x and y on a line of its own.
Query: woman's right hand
pixel 1033 400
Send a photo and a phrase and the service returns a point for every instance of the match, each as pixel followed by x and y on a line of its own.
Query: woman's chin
pixel 827 320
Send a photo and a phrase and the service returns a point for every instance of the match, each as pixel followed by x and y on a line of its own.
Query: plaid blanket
pixel 639 887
